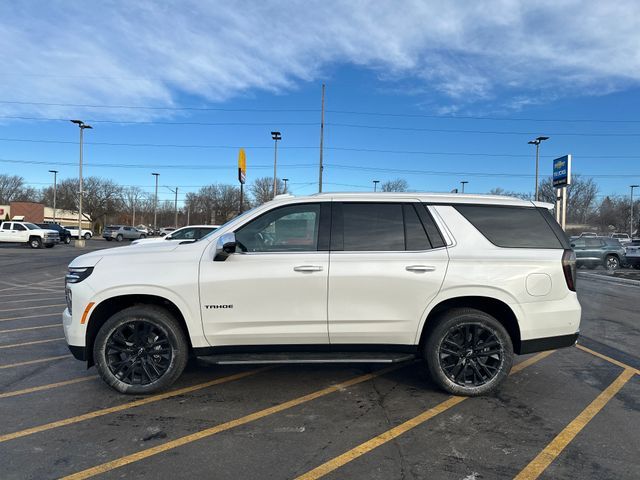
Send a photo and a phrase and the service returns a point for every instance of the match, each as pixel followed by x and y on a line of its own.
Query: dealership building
pixel 38 213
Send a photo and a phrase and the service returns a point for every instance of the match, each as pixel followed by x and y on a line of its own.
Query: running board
pixel 306 357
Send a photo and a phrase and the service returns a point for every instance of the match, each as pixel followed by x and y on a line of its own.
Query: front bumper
pixel 73 337
pixel 51 240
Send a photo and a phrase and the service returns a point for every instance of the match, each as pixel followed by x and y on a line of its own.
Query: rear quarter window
pixel 515 227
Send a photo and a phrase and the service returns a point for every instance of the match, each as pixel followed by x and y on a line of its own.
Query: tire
pixel 67 240
pixel 87 236
pixel 115 349
pixel 469 374
pixel 35 242
pixel 119 237
pixel 611 262
pixel 143 236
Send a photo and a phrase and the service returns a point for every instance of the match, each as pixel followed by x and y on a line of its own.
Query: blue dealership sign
pixel 562 171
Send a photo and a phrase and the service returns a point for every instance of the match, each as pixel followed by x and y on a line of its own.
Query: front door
pixel 273 290
pixel 385 269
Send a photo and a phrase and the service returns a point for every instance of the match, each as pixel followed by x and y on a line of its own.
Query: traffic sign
pixel 562 171
pixel 242 166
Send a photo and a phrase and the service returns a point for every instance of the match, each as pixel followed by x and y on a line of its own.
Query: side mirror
pixel 225 246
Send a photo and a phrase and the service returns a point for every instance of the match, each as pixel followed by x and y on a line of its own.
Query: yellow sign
pixel 242 166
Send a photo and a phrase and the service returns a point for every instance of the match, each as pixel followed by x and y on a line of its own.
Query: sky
pixel 434 92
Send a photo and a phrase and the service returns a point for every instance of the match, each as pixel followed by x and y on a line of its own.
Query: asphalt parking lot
pixel 572 413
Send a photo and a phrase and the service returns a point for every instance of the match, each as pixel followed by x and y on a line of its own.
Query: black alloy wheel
pixel 612 262
pixel 471 355
pixel 138 353
pixel 468 352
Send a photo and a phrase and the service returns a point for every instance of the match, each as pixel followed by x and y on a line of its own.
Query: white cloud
pixel 153 52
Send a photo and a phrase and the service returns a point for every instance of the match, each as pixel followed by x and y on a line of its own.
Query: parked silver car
pixel 121 232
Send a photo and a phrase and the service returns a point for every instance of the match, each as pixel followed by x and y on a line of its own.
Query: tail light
pixel 569 269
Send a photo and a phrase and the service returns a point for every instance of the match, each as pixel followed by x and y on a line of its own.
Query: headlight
pixel 77 274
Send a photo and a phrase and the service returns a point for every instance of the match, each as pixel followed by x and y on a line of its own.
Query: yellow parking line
pixel 35 342
pixel 31 362
pixel 30 328
pixel 34 308
pixel 608 359
pixel 558 444
pixel 142 454
pixel 46 387
pixel 389 435
pixel 126 406
pixel 40 315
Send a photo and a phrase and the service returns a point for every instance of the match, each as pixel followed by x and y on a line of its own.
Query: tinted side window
pixel 415 235
pixel 17 226
pixel 430 226
pixel 579 243
pixel 287 229
pixel 6 226
pixel 594 243
pixel 515 227
pixel 368 227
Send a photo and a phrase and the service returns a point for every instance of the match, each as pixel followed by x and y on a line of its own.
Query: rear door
pixel 384 271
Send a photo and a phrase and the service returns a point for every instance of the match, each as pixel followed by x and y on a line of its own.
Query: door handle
pixel 420 268
pixel 308 268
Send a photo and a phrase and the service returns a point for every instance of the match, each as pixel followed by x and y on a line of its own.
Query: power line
pixel 315 110
pixel 306 147
pixel 157 122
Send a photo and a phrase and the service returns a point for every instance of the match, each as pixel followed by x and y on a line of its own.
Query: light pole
pixel 285 180
pixel 55 188
pixel 463 183
pixel 631 216
pixel 155 204
pixel 80 242
pixel 175 205
pixel 276 136
pixel 537 143
pixel 375 185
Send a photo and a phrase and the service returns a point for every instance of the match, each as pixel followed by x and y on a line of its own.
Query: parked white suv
pixel 462 281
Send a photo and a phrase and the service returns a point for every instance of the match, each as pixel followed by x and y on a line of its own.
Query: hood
pixel 91 259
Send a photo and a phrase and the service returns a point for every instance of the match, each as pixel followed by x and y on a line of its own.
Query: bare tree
pixel 262 189
pixel 581 197
pixel 101 197
pixel 397 185
pixel 508 193
pixel 132 198
pixel 13 188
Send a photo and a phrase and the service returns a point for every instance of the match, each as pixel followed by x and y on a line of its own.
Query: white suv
pixel 461 281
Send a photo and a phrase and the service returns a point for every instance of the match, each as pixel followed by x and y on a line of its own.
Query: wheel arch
pixel 497 308
pixel 109 306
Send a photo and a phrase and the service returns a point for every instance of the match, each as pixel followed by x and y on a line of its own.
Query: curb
pixel 606 278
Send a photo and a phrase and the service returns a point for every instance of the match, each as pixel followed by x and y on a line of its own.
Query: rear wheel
pixel 612 262
pixel 67 240
pixel 35 242
pixel 119 237
pixel 87 236
pixel 140 349
pixel 468 352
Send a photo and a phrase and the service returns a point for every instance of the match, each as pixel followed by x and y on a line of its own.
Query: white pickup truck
pixel 25 232
pixel 86 234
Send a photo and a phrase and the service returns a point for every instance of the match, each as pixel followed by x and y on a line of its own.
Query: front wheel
pixel 612 262
pixel 119 238
pixel 140 350
pixel 35 242
pixel 67 240
pixel 468 352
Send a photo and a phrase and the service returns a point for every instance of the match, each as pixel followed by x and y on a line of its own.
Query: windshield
pixel 31 226
pixel 243 214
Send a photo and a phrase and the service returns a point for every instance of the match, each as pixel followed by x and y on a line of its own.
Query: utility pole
pixel 175 205
pixel 155 204
pixel 537 143
pixel 285 180
pixel 463 183
pixel 80 242
pixel 375 185
pixel 55 188
pixel 133 218
pixel 321 141
pixel 631 215
pixel 275 136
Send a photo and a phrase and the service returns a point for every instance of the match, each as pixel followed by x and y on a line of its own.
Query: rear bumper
pixel 548 343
